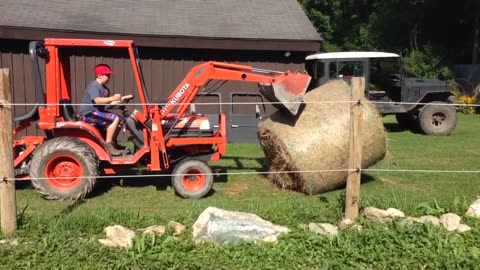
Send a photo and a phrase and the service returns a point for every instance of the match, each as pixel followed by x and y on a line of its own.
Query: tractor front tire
pixel 437 118
pixel 192 179
pixel 64 168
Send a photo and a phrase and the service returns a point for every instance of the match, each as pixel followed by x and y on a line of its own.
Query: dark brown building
pixel 172 36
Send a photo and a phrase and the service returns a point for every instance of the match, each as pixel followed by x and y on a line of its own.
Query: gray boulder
pixel 474 209
pixel 230 227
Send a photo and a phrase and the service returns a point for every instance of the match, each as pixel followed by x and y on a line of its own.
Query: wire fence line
pixel 265 172
pixel 217 174
pixel 258 103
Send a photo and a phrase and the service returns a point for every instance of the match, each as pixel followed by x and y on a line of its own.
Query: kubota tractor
pixel 65 162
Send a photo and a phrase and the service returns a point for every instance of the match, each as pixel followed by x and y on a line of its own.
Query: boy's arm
pixel 95 93
pixel 107 100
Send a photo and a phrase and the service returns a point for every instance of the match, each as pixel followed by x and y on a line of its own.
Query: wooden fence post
pixel 355 159
pixel 8 206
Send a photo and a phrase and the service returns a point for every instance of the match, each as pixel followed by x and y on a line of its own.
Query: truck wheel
pixel 64 168
pixel 436 118
pixel 192 179
pixel 405 120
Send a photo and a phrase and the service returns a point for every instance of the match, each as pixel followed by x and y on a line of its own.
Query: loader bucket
pixel 286 91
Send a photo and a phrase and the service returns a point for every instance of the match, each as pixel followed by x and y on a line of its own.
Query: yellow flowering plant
pixel 467 104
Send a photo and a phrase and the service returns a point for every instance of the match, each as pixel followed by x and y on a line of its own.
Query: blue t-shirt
pixel 94 90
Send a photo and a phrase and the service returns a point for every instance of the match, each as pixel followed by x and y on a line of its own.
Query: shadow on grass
pixel 132 179
pixel 366 178
pixel 222 170
pixel 139 179
pixel 394 127
pixel 69 209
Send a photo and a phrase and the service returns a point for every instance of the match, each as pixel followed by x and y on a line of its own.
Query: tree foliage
pixel 431 34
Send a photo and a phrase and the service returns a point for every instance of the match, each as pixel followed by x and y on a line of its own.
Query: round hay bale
pixel 318 139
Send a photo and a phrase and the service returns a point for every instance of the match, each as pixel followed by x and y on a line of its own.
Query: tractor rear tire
pixel 192 179
pixel 64 168
pixel 436 118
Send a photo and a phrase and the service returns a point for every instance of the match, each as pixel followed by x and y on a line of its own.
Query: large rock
pixel 229 227
pixel 118 237
pixel 474 209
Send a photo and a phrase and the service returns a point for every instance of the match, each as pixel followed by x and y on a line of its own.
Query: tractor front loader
pixel 65 162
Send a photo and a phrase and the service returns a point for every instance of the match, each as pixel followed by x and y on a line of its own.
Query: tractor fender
pixel 95 141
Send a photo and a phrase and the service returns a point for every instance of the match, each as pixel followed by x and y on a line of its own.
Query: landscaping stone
pixel 12 242
pixel 382 216
pixel 395 213
pixel 323 229
pixel 450 221
pixel 118 237
pixel 463 228
pixel 346 224
pixel 177 227
pixel 474 209
pixel 409 221
pixel 430 219
pixel 230 227
pixel 156 229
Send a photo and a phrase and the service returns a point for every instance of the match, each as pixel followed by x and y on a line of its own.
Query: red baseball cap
pixel 102 70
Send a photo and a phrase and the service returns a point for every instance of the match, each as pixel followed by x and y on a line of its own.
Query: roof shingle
pixel 247 19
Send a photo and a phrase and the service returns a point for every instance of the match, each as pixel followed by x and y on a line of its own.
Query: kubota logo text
pixel 177 96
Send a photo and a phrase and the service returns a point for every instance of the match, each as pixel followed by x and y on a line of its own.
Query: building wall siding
pixel 163 70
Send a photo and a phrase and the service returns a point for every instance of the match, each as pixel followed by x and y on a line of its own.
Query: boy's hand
pixel 115 102
pixel 116 97
pixel 126 98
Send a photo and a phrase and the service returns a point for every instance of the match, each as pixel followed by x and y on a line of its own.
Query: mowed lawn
pixel 63 235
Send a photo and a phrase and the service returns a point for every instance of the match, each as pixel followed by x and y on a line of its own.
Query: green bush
pixel 424 62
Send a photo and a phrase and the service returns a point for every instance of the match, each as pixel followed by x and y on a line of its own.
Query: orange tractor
pixel 66 161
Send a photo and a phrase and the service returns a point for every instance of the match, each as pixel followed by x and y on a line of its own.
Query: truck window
pixel 315 69
pixel 384 66
pixel 332 70
pixel 342 69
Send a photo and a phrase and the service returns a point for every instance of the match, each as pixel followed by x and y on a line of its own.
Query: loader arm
pixel 284 89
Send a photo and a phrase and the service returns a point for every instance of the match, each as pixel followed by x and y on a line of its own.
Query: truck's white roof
pixel 345 55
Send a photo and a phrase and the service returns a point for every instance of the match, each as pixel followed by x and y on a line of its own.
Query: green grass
pixel 63 235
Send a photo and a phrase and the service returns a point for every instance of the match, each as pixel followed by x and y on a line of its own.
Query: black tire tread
pixel 73 146
pixel 177 182
pixel 428 110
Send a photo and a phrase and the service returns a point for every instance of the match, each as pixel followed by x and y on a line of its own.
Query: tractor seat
pixel 69 114
pixel 67 110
